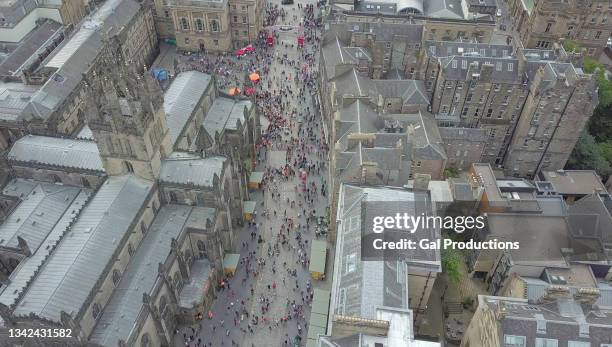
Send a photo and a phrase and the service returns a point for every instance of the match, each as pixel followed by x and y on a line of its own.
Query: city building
pixel 212 25
pixel 559 319
pixel 540 24
pixel 375 301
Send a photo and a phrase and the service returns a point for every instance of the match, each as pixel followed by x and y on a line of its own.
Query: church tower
pixel 126 116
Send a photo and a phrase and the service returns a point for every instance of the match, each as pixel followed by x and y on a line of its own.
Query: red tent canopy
pixel 240 52
pixel 270 40
pixel 249 48
pixel 249 91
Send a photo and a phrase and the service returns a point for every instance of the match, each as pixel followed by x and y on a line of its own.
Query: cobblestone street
pixel 267 302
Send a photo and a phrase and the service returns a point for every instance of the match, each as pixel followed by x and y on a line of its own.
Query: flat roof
pixel 575 182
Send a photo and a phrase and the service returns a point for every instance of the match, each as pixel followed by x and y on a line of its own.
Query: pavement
pixel 236 306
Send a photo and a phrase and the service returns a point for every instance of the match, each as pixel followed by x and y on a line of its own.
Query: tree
pixel 571 46
pixel 588 155
pixel 451 263
pixel 451 171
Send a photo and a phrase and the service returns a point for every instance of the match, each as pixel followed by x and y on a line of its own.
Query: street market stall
pixel 255 179
pixel 318 316
pixel 249 209
pixel 230 263
pixel 318 257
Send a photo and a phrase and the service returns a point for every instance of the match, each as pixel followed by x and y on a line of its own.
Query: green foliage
pixel 590 155
pixel 605 92
pixel 590 65
pixel 451 171
pixel 571 46
pixel 451 263
pixel 600 125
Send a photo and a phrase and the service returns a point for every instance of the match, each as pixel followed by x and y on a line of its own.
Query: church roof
pixel 188 169
pixel 55 151
pixel 71 272
pixel 182 99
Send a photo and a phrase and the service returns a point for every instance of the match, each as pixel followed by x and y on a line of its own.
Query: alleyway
pixel 267 302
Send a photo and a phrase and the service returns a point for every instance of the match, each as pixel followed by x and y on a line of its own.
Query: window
pixel 510 66
pixel 85 183
pixel 143 227
pixel 201 248
pixel 454 64
pixel 178 281
pixel 244 19
pixel 578 344
pixel 542 342
pixel 351 263
pixel 214 27
pixel 166 14
pixel 184 24
pixel 548 26
pixel 514 341
pixel 235 19
pixel 418 163
pixel 116 277
pixel 128 167
pixel 598 35
pixel 489 112
pixel 216 42
pixel 199 25
pixel 130 249
pixel 187 40
pixel 145 340
pixel 464 64
pixel 498 66
pixel 95 310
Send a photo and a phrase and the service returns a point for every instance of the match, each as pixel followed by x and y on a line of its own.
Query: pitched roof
pixel 54 151
pixel 187 169
pixel 225 113
pixel 121 313
pixel 182 98
pixel 70 273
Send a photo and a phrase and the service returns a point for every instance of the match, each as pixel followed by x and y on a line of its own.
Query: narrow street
pixel 267 302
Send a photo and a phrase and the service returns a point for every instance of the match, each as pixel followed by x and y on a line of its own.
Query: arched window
pixel 143 227
pixel 184 24
pixel 199 24
pixel 56 179
pixel 163 306
pixel 128 167
pixel 172 196
pixel 189 257
pixel 130 249
pixel 85 182
pixel 95 310
pixel 202 248
pixel 178 282
pixel 214 25
pixel 116 277
pixel 145 340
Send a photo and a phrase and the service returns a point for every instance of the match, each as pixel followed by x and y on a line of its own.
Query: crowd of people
pixel 267 301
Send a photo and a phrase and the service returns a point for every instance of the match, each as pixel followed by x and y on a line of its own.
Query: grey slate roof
pixel 504 70
pixel 225 113
pixel 21 276
pixel 424 135
pixel 37 214
pixel 439 49
pixel 371 284
pixel 452 9
pixel 121 313
pixel 14 99
pixel 182 98
pixel 191 294
pixel 54 151
pixel 71 272
pixel 187 169
pixel 77 55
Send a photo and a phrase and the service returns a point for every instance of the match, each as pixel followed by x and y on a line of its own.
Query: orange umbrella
pixel 234 91
pixel 254 77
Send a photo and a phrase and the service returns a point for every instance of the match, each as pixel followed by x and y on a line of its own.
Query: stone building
pixel 539 24
pixel 57 107
pixel 560 102
pixel 212 25
pixel 558 319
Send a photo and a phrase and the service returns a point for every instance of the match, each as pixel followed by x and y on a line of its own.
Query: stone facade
pixel 213 25
pixel 586 22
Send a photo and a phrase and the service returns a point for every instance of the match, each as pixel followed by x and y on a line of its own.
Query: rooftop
pixel 182 99
pixel 37 214
pixel 575 182
pixel 225 113
pixel 121 313
pixel 70 273
pixel 188 169
pixel 58 152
